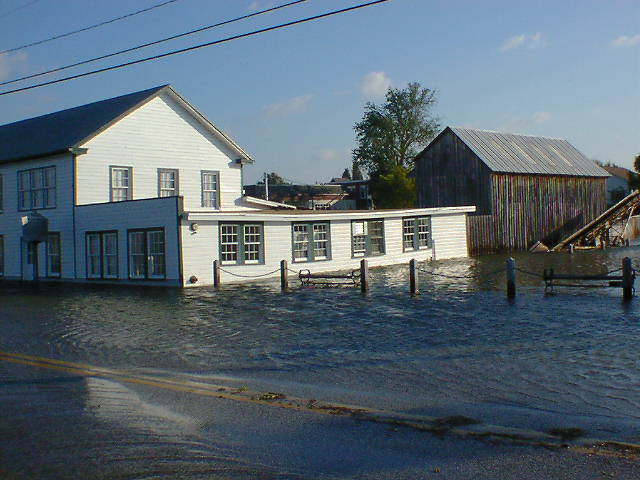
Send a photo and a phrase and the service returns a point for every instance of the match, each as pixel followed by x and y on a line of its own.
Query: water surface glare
pixel 570 359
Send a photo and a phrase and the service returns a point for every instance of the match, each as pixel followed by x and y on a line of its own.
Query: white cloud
pixel 626 41
pixel 541 117
pixel 292 105
pixel 375 84
pixel 522 41
pixel 10 63
pixel 327 155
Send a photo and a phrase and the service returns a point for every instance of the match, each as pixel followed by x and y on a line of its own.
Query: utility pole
pixel 266 186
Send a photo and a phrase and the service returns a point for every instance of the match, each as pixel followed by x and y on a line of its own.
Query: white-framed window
pixel 54 261
pixel 311 241
pixel 147 254
pixel 416 233
pixel 121 183
pixel 37 188
pixel 102 254
pixel 210 189
pixel 1 255
pixel 241 243
pixel 167 182
pixel 367 238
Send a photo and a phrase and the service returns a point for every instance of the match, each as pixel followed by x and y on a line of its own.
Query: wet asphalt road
pixel 58 425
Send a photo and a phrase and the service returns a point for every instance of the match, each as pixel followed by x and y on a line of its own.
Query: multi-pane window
pixel 167 182
pixel 1 255
pixel 416 233
pixel 102 255
pixel 37 188
pixel 367 237
pixel 1 191
pixel 241 243
pixel 54 263
pixel 147 254
pixel 210 189
pixel 310 241
pixel 121 184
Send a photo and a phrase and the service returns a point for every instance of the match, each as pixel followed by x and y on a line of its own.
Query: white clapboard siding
pixel 159 134
pixel 450 235
pixel 201 248
pixel 131 215
pixel 60 218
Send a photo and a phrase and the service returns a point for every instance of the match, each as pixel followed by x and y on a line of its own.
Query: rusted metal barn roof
pixel 526 154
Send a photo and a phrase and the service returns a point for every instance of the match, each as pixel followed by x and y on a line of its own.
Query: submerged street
pixel 104 382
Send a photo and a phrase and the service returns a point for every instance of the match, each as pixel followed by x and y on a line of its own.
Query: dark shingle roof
pixel 527 154
pixel 57 132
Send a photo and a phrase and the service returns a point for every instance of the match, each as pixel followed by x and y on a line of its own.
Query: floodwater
pixel 542 361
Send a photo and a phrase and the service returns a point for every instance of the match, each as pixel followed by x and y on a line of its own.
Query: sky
pixel 567 69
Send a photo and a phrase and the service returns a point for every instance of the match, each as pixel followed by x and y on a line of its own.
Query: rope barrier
pixel 465 277
pixel 526 272
pixel 249 276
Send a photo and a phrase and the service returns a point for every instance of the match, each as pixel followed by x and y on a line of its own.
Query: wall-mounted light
pixel 194 227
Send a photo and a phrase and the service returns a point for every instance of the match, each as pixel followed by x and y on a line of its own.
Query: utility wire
pixel 173 37
pixel 90 27
pixel 14 10
pixel 195 47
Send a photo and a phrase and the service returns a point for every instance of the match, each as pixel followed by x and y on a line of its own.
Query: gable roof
pixel 527 154
pixel 63 131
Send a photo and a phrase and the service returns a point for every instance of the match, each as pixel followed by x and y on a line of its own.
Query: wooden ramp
pixel 607 228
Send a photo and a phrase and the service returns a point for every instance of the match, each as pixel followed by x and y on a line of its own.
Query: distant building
pixel 525 188
pixel 358 192
pixel 617 183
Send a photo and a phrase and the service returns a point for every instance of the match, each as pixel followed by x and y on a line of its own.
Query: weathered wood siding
pixel 528 208
pixel 449 174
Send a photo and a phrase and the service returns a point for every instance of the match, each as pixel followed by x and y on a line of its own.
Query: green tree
pixel 394 189
pixel 634 178
pixel 356 173
pixel 346 174
pixel 392 134
pixel 274 179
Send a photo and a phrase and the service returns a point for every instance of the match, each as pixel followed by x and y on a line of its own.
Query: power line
pixel 14 10
pixel 195 47
pixel 173 37
pixel 90 27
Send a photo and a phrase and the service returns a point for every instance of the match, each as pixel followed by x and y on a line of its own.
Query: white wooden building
pixel 144 189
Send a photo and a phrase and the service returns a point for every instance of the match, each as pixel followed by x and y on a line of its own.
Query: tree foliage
pixel 394 189
pixel 346 174
pixel 391 134
pixel 356 173
pixel 634 178
pixel 274 179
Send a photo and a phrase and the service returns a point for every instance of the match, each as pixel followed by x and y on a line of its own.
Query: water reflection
pixel 458 346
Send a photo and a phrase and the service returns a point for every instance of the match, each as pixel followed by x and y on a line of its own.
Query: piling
pixel 413 277
pixel 364 276
pixel 284 275
pixel 216 273
pixel 511 278
pixel 627 279
pixel 571 248
pixel 433 249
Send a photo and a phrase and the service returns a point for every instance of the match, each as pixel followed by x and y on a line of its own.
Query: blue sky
pixel 568 69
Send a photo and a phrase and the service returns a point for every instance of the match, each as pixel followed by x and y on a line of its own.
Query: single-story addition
pixel 144 189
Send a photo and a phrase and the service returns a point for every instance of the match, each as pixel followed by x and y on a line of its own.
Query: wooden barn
pixel 525 188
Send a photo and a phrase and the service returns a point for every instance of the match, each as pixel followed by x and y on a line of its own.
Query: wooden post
pixel 364 276
pixel 216 273
pixel 627 279
pixel 413 277
pixel 571 248
pixel 511 278
pixel 433 249
pixel 284 275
